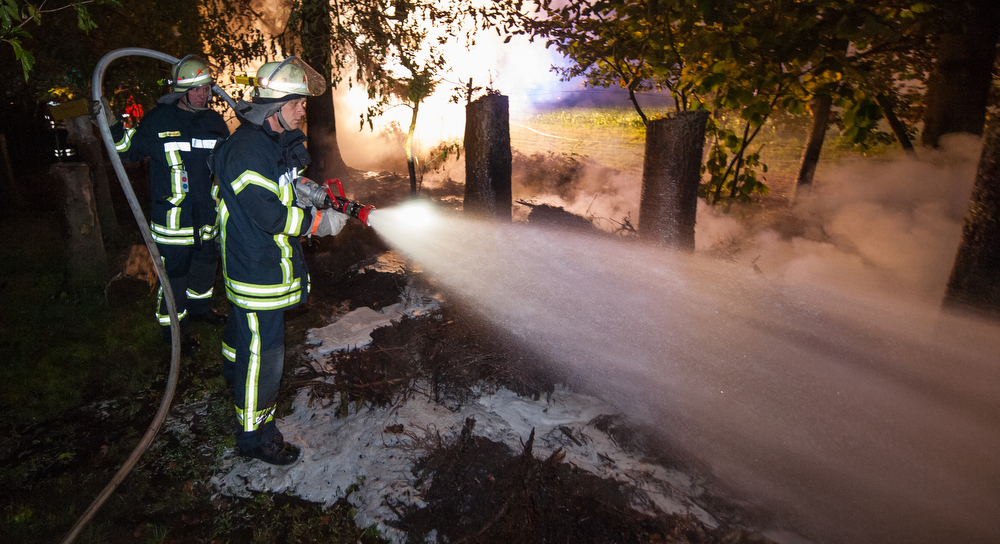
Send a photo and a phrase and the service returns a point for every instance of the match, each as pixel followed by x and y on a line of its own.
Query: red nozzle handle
pixel 329 190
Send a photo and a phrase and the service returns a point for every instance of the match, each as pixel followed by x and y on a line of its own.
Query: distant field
pixel 615 137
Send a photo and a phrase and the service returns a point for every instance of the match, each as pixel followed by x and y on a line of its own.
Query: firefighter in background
pixel 178 136
pixel 261 219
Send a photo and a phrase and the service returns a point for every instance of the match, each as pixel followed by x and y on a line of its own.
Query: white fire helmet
pixel 192 71
pixel 291 76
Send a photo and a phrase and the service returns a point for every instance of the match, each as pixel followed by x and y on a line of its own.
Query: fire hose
pixel 161 272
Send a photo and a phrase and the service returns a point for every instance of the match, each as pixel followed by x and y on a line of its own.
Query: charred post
pixel 488 157
pixel 90 150
pixel 671 172
pixel 87 262
pixel 974 284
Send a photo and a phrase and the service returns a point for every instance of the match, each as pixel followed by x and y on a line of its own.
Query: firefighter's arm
pixel 261 199
pixel 132 144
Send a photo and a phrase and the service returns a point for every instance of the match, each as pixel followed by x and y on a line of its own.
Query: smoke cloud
pixel 890 225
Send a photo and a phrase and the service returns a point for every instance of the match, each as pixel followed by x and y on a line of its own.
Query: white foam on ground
pixel 361 450
pixel 338 453
pixel 353 329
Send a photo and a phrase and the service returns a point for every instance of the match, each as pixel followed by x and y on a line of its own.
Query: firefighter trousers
pixel 253 349
pixel 191 271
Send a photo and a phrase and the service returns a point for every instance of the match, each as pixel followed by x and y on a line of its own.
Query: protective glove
pixel 326 222
pixel 308 193
pixel 95 108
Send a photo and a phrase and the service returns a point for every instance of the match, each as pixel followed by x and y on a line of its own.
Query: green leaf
pixel 9 16
pixel 27 63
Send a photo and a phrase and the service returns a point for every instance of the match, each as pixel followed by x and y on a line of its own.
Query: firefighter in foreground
pixel 178 135
pixel 262 217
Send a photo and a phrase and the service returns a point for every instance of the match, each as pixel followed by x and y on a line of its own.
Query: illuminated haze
pixel 825 386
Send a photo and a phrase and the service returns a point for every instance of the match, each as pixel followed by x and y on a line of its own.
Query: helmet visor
pixel 293 76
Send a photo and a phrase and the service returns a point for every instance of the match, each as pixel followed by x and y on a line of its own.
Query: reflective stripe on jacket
pixel 178 143
pixel 259 222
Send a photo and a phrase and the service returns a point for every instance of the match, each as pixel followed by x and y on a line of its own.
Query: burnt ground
pixel 476 490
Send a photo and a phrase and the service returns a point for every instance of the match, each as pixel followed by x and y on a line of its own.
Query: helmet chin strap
pixel 282 122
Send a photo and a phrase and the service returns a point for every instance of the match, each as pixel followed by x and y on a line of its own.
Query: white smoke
pixel 890 225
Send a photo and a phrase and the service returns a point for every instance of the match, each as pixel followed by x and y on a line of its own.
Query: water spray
pixel 851 417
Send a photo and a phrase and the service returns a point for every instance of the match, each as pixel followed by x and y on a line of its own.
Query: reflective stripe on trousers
pixel 257 341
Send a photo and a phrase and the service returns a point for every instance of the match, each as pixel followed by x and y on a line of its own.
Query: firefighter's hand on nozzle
pixel 326 222
pixel 95 108
pixel 308 194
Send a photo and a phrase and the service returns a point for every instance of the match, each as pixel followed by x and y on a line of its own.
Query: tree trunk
pixel 87 262
pixel 90 151
pixel 959 85
pixel 321 120
pixel 671 172
pixel 974 284
pixel 13 193
pixel 411 166
pixel 324 150
pixel 820 108
pixel 488 157
pixel 888 106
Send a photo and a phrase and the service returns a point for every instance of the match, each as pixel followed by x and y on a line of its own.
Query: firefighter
pixel 178 136
pixel 261 220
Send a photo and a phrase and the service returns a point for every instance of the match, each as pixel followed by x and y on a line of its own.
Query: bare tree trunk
pixel 411 166
pixel 974 284
pixel 321 120
pixel 84 247
pixel 820 108
pixel 888 106
pixel 488 157
pixel 15 194
pixel 81 134
pixel 671 172
pixel 959 85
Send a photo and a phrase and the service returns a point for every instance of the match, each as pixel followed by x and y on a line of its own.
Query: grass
pixel 80 380
pixel 61 348
pixel 615 138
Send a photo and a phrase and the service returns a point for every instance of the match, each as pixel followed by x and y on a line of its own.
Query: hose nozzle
pixel 342 205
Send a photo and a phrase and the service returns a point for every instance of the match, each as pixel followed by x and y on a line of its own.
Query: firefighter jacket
pixel 260 224
pixel 178 143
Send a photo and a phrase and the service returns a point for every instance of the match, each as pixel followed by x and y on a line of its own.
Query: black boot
pixel 189 344
pixel 211 317
pixel 276 451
